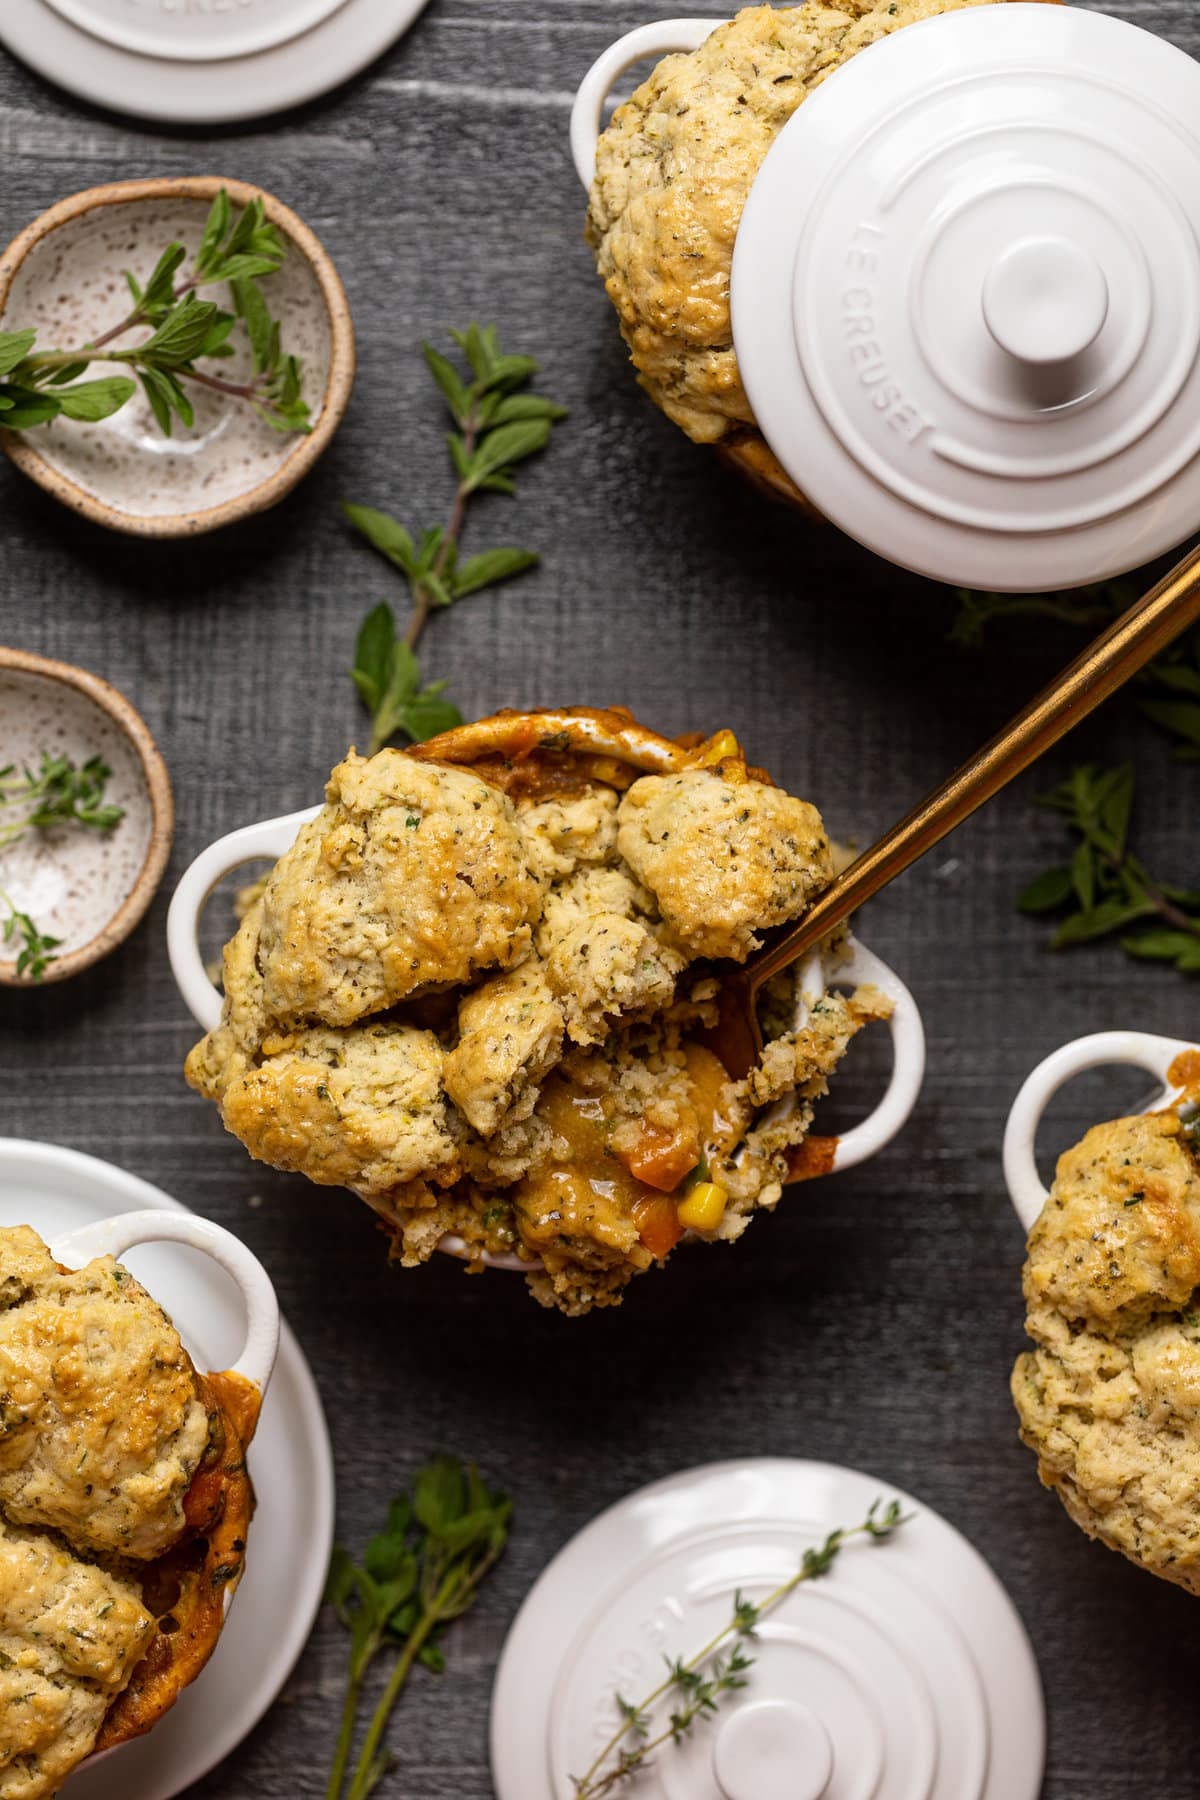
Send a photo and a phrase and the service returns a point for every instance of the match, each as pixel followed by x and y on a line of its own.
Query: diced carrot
pixel 657 1220
pixel 662 1158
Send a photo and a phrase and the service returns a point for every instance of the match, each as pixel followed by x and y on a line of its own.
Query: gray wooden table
pixel 874 1319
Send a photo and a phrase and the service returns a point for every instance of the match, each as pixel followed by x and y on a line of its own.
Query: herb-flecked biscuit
pixel 1109 1397
pixel 674 170
pixel 411 874
pixel 101 1423
pixel 71 1635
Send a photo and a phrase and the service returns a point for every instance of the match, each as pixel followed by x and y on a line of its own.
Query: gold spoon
pixel 1127 646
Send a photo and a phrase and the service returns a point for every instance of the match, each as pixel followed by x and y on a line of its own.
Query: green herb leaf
pixel 490 568
pixel 182 334
pixel 92 400
pixel 1047 893
pixel 527 406
pixel 215 229
pixel 1083 875
pixel 1177 716
pixel 1108 887
pixel 158 295
pixel 21 407
pixel 386 535
pixel 427 716
pixel 453 388
pixel 373 654
pixel 1165 945
pixel 14 348
pixel 506 446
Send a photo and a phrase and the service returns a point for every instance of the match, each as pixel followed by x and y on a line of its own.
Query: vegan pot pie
pixel 476 988
pixel 1109 1397
pixel 674 170
pixel 124 1505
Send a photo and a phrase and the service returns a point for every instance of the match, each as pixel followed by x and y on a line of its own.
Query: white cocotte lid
pixel 201 61
pixel 903 1674
pixel 966 296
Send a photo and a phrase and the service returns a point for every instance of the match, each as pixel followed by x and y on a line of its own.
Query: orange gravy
pixel 1184 1073
pixel 816 1156
pixel 614 1196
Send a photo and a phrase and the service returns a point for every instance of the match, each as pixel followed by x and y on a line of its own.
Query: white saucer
pixel 202 66
pixel 291 1461
pixel 903 1674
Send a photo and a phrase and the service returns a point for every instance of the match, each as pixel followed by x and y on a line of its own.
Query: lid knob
pixel 1045 300
pixel 773 1750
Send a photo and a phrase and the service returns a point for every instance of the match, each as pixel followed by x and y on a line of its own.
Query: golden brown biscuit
pixel 1109 1397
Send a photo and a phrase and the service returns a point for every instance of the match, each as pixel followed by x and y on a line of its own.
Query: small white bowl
pixel 64 276
pixel 1160 1057
pixel 88 889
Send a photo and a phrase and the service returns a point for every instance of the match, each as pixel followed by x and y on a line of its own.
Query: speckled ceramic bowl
pixel 64 275
pixel 86 889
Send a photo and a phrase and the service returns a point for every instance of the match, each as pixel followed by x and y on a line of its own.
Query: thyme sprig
pixel 421 1572
pixel 39 385
pixel 58 792
pixel 499 424
pixel 37 950
pixel 1106 890
pixel 697 1684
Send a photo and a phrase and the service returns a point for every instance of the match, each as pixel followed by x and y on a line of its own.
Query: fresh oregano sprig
pixel 58 792
pixel 1175 703
pixel 1106 890
pixel 241 250
pixel 1094 605
pixel 697 1684
pixel 499 424
pixel 423 1570
pixel 1168 690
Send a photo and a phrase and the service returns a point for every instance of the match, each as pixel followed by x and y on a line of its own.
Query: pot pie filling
pixel 477 995
pixel 123 1510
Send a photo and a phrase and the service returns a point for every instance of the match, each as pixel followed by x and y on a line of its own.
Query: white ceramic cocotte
pixel 273 837
pixel 1157 1056
pixel 125 1231
pixel 966 291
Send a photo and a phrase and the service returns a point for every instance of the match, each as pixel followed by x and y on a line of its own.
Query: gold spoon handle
pixel 1127 646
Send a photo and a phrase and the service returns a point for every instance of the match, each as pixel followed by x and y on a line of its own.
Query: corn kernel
pixel 718 748
pixel 704 1207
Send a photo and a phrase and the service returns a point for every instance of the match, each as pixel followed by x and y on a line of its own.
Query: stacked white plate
pixel 201 61
pixel 903 1674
